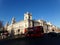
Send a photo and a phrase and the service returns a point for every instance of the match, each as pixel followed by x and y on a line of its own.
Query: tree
pixel 1 24
pixel 1 27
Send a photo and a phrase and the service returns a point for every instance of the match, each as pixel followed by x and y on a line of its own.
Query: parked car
pixel 51 34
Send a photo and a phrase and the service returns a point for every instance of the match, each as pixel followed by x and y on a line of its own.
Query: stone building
pixel 19 27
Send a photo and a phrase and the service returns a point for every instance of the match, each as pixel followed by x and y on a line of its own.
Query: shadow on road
pixel 46 40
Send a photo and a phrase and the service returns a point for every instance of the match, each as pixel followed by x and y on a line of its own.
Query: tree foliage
pixel 1 24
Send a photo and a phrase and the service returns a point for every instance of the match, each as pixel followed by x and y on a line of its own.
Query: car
pixel 52 34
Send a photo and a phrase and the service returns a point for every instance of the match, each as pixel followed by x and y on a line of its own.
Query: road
pixel 32 41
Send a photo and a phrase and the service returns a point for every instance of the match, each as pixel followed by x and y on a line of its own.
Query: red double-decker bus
pixel 34 31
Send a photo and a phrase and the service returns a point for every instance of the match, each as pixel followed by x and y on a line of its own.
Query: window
pixel 26 17
pixel 29 17
pixel 18 30
pixel 53 30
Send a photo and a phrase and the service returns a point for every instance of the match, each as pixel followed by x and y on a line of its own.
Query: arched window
pixel 18 30
pixel 53 30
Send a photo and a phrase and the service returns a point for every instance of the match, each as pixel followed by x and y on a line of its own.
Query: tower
pixel 28 19
pixel 6 25
pixel 13 20
pixel 27 16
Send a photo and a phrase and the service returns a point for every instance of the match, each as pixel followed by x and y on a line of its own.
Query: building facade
pixel 19 27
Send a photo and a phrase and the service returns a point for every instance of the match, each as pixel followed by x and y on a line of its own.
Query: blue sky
pixel 48 10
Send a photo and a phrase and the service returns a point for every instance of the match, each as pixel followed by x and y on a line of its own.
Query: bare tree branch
pixel 1 24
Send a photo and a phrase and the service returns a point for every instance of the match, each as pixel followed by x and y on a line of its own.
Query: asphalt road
pixel 32 41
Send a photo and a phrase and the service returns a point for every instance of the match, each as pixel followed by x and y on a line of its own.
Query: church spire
pixel 6 25
pixel 13 20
